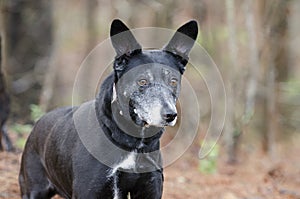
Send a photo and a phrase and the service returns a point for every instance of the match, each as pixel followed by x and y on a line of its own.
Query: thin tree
pixel 4 109
pixel 27 32
pixel 237 93
pixel 231 131
pixel 274 58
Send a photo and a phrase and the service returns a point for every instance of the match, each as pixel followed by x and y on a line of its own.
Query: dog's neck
pixel 110 120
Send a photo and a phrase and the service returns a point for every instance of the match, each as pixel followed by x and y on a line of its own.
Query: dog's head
pixel 147 82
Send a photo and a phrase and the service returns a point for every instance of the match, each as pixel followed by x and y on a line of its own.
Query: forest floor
pixel 255 176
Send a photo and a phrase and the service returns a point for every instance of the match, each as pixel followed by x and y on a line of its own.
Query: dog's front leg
pixel 94 186
pixel 150 186
pixel 91 193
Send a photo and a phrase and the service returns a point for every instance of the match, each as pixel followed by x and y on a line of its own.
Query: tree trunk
pixel 27 31
pixel 232 131
pixel 4 109
pixel 254 65
pixel 274 58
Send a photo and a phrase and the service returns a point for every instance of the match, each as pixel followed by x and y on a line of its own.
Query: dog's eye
pixel 173 82
pixel 142 82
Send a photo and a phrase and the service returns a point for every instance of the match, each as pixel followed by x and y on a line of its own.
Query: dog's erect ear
pixel 183 40
pixel 122 39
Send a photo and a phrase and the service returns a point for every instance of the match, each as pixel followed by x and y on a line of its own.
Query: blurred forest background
pixel 254 43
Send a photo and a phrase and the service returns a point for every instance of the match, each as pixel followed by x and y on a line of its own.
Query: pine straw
pixel 9 169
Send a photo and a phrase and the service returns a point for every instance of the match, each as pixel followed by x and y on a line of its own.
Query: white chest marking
pixel 127 163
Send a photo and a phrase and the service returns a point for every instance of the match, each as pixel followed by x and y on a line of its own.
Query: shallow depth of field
pixel 253 44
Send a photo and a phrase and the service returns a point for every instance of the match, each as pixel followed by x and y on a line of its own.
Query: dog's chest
pixel 126 164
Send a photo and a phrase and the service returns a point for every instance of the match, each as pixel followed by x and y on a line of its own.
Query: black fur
pixel 55 160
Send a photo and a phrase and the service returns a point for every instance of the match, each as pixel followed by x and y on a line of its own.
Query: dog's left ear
pixel 183 40
pixel 122 39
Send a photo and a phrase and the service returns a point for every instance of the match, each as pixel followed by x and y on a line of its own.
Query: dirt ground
pixel 254 177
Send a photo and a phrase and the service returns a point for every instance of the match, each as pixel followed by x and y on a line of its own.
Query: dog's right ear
pixel 183 41
pixel 122 39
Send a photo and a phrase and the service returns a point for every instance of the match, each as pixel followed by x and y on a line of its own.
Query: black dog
pixel 109 147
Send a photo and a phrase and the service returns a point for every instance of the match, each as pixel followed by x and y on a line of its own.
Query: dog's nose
pixel 169 117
